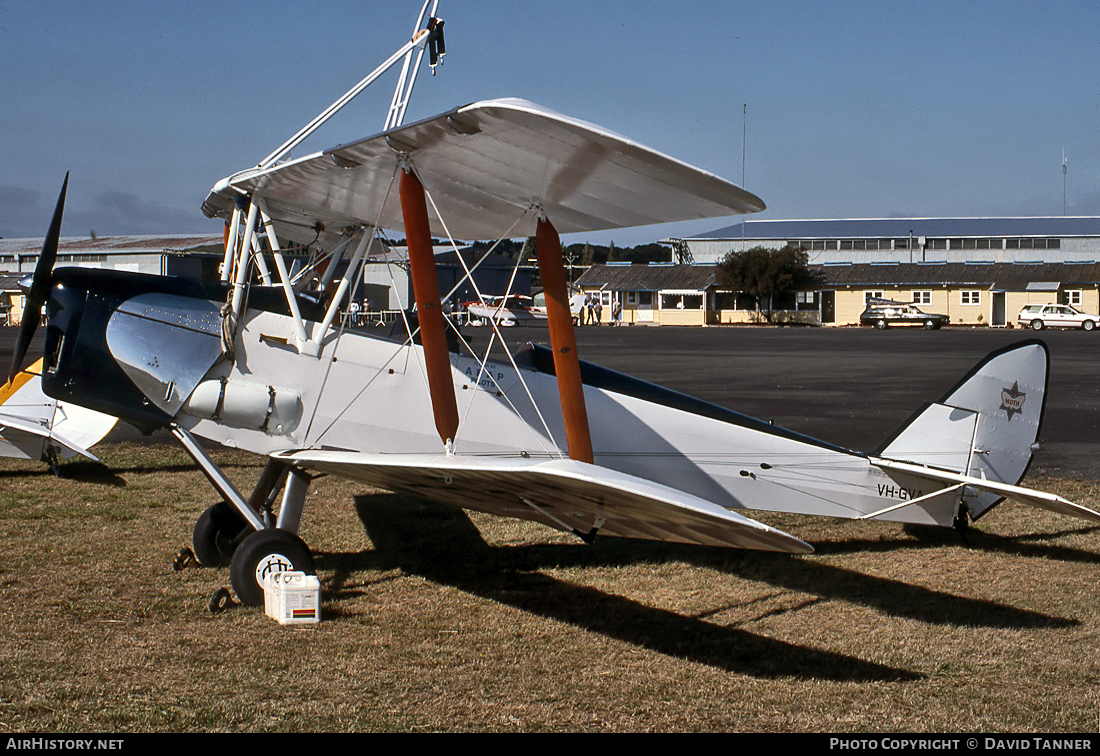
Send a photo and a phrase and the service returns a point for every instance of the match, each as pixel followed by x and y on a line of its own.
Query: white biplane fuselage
pixel 371 399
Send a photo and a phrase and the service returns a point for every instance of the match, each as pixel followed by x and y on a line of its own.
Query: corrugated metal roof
pixel 900 228
pixel 108 244
pixel 1009 276
pixel 649 277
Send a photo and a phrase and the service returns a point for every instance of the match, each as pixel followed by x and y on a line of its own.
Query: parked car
pixel 1040 316
pixel 884 314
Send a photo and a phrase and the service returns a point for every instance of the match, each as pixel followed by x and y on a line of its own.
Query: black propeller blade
pixel 40 286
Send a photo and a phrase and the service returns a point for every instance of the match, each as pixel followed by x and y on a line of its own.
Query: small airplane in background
pixel 505 311
pixel 264 360
pixel 36 426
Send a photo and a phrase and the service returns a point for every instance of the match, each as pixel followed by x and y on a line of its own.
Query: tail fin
pixel 986 426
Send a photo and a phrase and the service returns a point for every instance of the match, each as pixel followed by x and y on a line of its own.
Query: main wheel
pixel 929 325
pixel 1037 325
pixel 262 553
pixel 880 324
pixel 215 536
pixel 1088 325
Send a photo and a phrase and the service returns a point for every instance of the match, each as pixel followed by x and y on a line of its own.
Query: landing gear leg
pixel 248 535
pixel 217 478
pixel 51 457
pixel 294 499
pixel 962 523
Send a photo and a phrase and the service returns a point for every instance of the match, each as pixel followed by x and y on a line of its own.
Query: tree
pixel 765 274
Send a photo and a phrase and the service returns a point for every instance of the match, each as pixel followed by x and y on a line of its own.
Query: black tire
pixel 269 550
pixel 880 324
pixel 1088 325
pixel 1036 325
pixel 216 533
pixel 930 325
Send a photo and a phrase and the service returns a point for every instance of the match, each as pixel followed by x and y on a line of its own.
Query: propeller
pixel 39 289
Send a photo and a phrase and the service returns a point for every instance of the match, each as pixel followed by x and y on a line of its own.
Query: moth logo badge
pixel 1012 400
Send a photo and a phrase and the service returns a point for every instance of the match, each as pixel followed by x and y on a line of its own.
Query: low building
pixel 12 299
pixel 968 293
pixel 670 294
pixel 977 271
pixel 657 293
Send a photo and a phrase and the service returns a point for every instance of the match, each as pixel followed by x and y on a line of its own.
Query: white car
pixel 1040 316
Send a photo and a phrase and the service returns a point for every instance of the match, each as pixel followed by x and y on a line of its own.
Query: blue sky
pixel 854 109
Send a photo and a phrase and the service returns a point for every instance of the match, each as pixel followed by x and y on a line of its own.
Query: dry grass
pixel 436 620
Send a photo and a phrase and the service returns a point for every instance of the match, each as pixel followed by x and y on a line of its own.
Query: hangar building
pixel 135 254
pixel 911 240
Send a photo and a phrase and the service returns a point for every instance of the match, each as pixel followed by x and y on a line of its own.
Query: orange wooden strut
pixel 433 328
pixel 563 341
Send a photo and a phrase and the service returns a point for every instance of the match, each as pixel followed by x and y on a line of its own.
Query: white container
pixel 292 598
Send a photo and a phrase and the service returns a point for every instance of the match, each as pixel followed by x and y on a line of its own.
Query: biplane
pixel 265 359
pixel 506 311
pixel 36 426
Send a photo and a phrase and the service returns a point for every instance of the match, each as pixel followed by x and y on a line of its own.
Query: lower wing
pixel 27 440
pixel 564 494
pixel 29 420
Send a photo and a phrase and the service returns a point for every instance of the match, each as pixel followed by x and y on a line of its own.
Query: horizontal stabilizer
pixel 1029 496
pixel 561 493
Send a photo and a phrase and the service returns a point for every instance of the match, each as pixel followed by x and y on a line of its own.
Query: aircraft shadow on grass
pixel 441 544
pixel 83 471
pixel 1031 545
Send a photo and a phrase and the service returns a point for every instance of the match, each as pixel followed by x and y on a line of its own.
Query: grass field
pixel 438 620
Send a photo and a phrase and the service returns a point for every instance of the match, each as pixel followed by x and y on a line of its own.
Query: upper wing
pixel 560 493
pixel 483 165
pixel 1030 496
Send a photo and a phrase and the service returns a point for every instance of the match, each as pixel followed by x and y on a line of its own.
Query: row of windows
pixel 60 258
pixel 82 258
pixel 814 245
pixel 966 297
pixel 971 297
